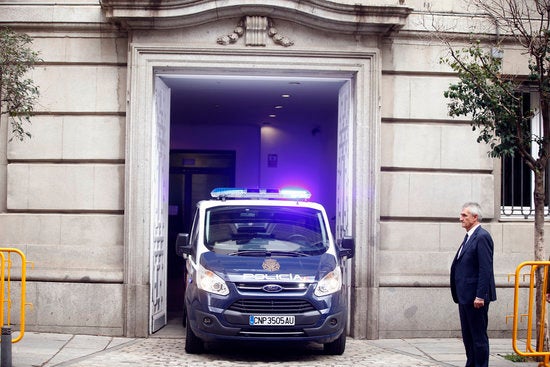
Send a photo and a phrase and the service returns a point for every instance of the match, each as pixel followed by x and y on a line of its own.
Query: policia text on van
pixel 262 265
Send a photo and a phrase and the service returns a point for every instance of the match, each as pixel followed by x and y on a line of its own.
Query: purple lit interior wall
pixel 243 139
pixel 306 155
pixel 305 158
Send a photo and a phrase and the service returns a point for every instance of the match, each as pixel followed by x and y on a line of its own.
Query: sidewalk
pixel 167 349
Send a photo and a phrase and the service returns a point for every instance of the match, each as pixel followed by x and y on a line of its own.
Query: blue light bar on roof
pixel 240 193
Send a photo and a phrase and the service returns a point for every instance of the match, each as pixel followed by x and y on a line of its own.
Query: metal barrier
pixel 6 299
pixel 531 351
pixel 6 277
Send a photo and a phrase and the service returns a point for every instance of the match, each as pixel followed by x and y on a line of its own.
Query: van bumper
pixel 209 328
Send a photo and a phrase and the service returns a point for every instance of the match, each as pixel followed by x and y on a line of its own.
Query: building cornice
pixel 334 16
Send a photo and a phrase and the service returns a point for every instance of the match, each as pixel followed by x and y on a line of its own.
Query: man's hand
pixel 480 302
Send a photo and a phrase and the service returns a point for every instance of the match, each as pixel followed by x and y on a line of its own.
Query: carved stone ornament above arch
pixel 256 30
pixel 335 16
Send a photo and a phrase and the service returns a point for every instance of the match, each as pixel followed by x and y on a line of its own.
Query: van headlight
pixel 331 283
pixel 208 281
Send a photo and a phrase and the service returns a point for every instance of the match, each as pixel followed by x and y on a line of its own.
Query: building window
pixel 517 181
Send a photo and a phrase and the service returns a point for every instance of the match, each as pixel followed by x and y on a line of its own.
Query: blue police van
pixel 262 265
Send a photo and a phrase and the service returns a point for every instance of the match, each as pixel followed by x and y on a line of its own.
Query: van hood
pixel 287 269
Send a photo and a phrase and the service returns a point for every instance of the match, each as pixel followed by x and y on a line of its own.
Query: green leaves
pixel 18 94
pixel 489 99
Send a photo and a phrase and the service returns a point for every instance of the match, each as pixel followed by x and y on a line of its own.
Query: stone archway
pixel 360 176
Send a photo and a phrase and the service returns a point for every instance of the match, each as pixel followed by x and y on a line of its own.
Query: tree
pixel 18 94
pixel 493 100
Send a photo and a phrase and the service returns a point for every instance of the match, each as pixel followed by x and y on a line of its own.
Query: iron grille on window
pixel 517 182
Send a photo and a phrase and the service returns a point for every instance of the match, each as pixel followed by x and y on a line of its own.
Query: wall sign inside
pixel 272 160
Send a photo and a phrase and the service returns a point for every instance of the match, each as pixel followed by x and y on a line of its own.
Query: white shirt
pixel 469 233
pixel 472 230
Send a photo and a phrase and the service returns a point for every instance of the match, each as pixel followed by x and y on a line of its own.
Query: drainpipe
pixel 496 51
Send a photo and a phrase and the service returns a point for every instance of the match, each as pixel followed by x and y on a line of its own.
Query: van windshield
pixel 265 231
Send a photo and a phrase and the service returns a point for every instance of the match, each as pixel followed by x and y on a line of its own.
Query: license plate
pixel 271 320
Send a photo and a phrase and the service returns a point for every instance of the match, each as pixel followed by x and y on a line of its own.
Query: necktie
pixel 462 245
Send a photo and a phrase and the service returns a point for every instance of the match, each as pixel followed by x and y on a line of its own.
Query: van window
pixel 255 230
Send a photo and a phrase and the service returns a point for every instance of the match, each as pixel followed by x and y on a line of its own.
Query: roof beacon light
pixel 295 193
pixel 241 193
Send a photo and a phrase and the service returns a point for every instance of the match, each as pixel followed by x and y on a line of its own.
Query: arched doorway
pixel 356 199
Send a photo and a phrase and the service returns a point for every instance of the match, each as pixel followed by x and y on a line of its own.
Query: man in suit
pixel 473 285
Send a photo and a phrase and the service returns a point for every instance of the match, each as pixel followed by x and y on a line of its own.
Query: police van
pixel 262 265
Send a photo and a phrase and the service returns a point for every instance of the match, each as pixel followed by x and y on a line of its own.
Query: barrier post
pixel 6 358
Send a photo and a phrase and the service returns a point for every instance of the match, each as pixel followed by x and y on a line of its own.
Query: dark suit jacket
pixel 472 273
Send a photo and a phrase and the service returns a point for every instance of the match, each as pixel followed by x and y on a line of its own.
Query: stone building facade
pixel 86 197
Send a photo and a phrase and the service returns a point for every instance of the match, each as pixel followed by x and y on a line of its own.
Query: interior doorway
pixel 193 174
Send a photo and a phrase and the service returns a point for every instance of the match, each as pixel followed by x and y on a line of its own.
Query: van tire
pixel 336 347
pixel 193 345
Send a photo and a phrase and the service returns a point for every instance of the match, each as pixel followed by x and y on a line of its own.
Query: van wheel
pixel 336 347
pixel 193 345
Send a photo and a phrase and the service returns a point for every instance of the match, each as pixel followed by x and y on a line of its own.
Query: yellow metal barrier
pixel 530 351
pixel 6 274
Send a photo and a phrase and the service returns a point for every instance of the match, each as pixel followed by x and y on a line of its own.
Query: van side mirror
pixel 346 247
pixel 182 244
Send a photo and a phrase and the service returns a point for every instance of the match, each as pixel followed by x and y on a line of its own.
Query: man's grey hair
pixel 474 209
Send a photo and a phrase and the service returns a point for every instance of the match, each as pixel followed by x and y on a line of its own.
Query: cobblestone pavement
pixel 170 352
pixel 166 349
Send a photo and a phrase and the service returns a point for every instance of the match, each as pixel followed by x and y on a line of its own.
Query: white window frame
pixel 522 211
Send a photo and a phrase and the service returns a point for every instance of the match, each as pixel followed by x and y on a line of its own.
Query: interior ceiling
pixel 253 100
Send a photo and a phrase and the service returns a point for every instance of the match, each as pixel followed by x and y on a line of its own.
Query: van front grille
pixel 284 287
pixel 275 306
